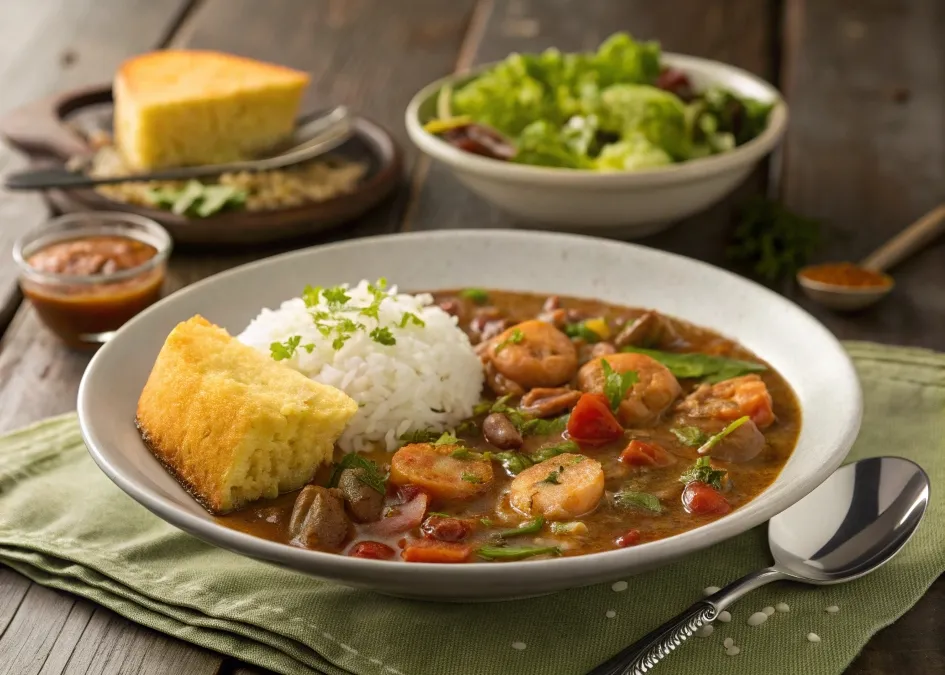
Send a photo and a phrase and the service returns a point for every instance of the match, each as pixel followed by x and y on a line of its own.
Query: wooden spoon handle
pixel 907 242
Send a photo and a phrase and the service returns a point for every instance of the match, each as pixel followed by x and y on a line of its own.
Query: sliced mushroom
pixel 499 430
pixel 318 519
pixel 364 502
pixel 549 401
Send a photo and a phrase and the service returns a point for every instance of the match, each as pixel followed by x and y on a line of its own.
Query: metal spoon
pixel 850 525
pixel 313 136
pixel 904 244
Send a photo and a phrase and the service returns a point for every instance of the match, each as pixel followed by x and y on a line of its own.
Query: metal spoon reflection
pixel 854 522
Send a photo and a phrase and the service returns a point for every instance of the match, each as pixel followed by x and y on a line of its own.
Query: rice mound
pixel 430 378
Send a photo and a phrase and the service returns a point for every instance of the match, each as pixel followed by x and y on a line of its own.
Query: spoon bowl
pixel 854 522
pixel 843 298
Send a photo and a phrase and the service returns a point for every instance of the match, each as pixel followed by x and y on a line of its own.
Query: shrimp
pixel 561 488
pixel 435 469
pixel 655 390
pixel 532 354
pixel 730 399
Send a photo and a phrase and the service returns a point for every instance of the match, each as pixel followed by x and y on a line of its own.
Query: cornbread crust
pixel 232 425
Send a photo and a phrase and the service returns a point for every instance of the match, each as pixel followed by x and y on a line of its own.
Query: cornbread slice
pixel 231 424
pixel 179 107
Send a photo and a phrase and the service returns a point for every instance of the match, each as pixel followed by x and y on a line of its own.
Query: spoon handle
pixel 907 242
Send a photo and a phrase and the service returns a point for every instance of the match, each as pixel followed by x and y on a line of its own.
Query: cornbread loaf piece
pixel 231 424
pixel 179 108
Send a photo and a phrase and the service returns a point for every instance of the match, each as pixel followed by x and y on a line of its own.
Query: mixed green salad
pixel 616 109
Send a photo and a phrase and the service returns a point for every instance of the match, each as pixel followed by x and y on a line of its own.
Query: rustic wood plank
pixel 49 45
pixel 865 150
pixel 13 588
pixel 736 31
pixel 28 641
pixel 110 645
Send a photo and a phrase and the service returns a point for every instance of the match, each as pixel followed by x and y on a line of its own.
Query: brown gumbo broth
pixel 571 508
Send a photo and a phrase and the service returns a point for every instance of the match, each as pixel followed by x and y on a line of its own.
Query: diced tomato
pixel 374 550
pixel 445 529
pixel 430 551
pixel 592 423
pixel 638 453
pixel 628 538
pixel 702 499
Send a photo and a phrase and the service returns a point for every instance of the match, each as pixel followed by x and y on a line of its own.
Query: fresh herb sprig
pixel 642 500
pixel 370 474
pixel 706 448
pixel 616 385
pixel 775 242
pixel 707 367
pixel 703 472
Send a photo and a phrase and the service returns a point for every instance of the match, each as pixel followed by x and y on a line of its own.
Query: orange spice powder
pixel 845 274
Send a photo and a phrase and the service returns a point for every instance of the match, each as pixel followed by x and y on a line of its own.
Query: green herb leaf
pixel 310 296
pixel 579 330
pixel 482 407
pixel 703 472
pixel 446 438
pixel 513 462
pixel 383 336
pixel 463 453
pixel 516 552
pixel 370 476
pixel 335 297
pixel 514 338
pixel 691 436
pixel 187 197
pixel 411 318
pixel 470 478
pixel 420 436
pixel 706 447
pixel 774 241
pixel 477 295
pixel 693 365
pixel 486 522
pixel 531 527
pixel 466 427
pixel 643 500
pixel 285 350
pixel 549 451
pixel 552 477
pixel 541 427
pixel 616 385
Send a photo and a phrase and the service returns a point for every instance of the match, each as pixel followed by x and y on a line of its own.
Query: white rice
pixel 429 379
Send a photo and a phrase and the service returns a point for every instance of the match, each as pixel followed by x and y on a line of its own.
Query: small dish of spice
pixel 86 274
pixel 847 286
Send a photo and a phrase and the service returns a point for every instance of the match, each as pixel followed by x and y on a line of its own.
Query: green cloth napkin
pixel 63 524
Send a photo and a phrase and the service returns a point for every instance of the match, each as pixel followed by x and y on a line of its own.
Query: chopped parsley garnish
pixel 466 426
pixel 773 240
pixel 691 436
pixel 420 436
pixel 616 385
pixel 483 407
pixel 705 366
pixel 643 500
pixel 470 478
pixel 463 453
pixel 486 522
pixel 410 317
pixel 446 438
pixel 706 447
pixel 550 451
pixel 383 336
pixel 540 427
pixel 530 527
pixel 370 474
pixel 285 350
pixel 702 472
pixel 553 476
pixel 515 552
pixel 310 295
pixel 580 330
pixel 477 295
pixel 514 463
pixel 514 338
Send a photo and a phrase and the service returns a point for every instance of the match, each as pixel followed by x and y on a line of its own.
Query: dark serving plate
pixel 49 131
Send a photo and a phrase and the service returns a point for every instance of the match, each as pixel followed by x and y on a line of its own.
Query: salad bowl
pixel 627 204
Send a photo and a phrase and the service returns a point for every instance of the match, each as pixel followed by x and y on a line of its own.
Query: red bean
pixel 628 538
pixel 445 529
pixel 374 550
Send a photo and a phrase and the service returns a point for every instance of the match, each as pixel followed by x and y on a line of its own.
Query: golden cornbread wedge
pixel 180 107
pixel 231 424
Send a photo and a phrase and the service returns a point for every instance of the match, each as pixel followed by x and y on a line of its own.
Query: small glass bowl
pixel 84 310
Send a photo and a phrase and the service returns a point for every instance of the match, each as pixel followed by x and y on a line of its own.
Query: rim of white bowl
pixel 340 566
pixel 688 171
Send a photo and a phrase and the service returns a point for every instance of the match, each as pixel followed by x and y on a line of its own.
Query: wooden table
pixel 865 80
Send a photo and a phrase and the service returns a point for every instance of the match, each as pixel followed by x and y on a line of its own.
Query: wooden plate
pixel 47 131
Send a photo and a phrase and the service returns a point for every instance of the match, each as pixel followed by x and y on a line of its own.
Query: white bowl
pixel 777 330
pixel 628 203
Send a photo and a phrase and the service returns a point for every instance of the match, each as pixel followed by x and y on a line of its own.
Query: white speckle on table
pixel 619 586
pixel 769 611
pixel 724 616
pixel 709 590
pixel 705 631
pixel 610 614
pixel 733 651
pixel 757 619
pixel 782 607
pixel 813 637
pixel 729 642
pixel 518 645
pixel 833 609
